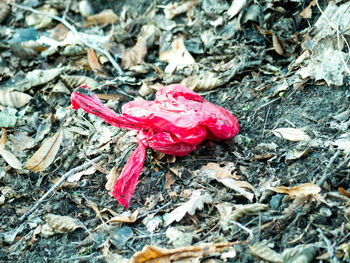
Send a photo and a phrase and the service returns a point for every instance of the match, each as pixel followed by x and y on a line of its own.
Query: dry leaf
pixel 8 156
pixel 213 171
pixel 126 217
pixel 307 12
pixel 178 55
pixel 169 180
pixel 136 54
pixel 172 10
pixel 59 33
pixel 76 81
pixel 3 138
pixel 103 18
pixel 243 210
pixel 342 191
pixel 93 61
pixel 43 157
pixel 11 159
pixel 236 7
pixel 76 177
pixel 277 45
pixel 151 254
pixel 14 99
pixel 227 171
pixel 111 178
pixel 196 201
pixel 299 190
pixel 262 251
pixel 343 143
pixel 291 134
pixel 62 224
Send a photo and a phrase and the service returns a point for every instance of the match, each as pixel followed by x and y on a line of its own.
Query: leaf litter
pixel 272 64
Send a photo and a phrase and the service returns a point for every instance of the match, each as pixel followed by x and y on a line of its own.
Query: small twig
pixel 326 173
pixel 56 185
pixel 267 115
pixel 75 32
pixel 330 246
pixel 250 232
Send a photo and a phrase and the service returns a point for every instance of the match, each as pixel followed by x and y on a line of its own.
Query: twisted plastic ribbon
pixel 175 123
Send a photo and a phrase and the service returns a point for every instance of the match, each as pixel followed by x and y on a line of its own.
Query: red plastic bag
pixel 175 123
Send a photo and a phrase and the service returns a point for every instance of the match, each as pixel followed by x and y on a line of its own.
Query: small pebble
pixel 85 8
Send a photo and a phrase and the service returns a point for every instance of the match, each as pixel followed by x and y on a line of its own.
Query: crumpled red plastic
pixel 175 123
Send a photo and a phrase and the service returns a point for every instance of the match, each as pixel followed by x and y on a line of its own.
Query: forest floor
pixel 278 191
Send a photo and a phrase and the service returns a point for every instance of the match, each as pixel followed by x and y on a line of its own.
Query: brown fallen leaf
pixel 152 254
pixel 111 178
pixel 214 172
pixel 45 155
pixel 307 12
pixel 14 99
pixel 196 201
pixel 299 190
pixel 135 55
pixel 8 156
pixel 342 191
pixel 291 134
pixel 277 45
pixel 62 224
pixel 126 217
pixel 178 55
pixel 169 180
pixel 104 18
pixel 93 61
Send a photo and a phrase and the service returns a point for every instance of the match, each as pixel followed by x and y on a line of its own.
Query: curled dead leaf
pixel 45 155
pixel 93 61
pixel 299 190
pixel 151 254
pixel 136 54
pixel 178 55
pixel 8 156
pixel 62 224
pixel 291 134
pixel 277 45
pixel 14 99
pixel 104 18
pixel 196 201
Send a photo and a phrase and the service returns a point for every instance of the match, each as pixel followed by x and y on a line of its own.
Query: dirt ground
pixel 279 191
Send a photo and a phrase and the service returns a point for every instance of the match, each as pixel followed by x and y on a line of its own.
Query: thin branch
pixel 56 185
pixel 75 32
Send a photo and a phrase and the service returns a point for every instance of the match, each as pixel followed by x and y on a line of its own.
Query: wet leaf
pixel 46 153
pixel 62 224
pixel 178 55
pixel 196 201
pixel 291 134
pixel 104 18
pixel 299 190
